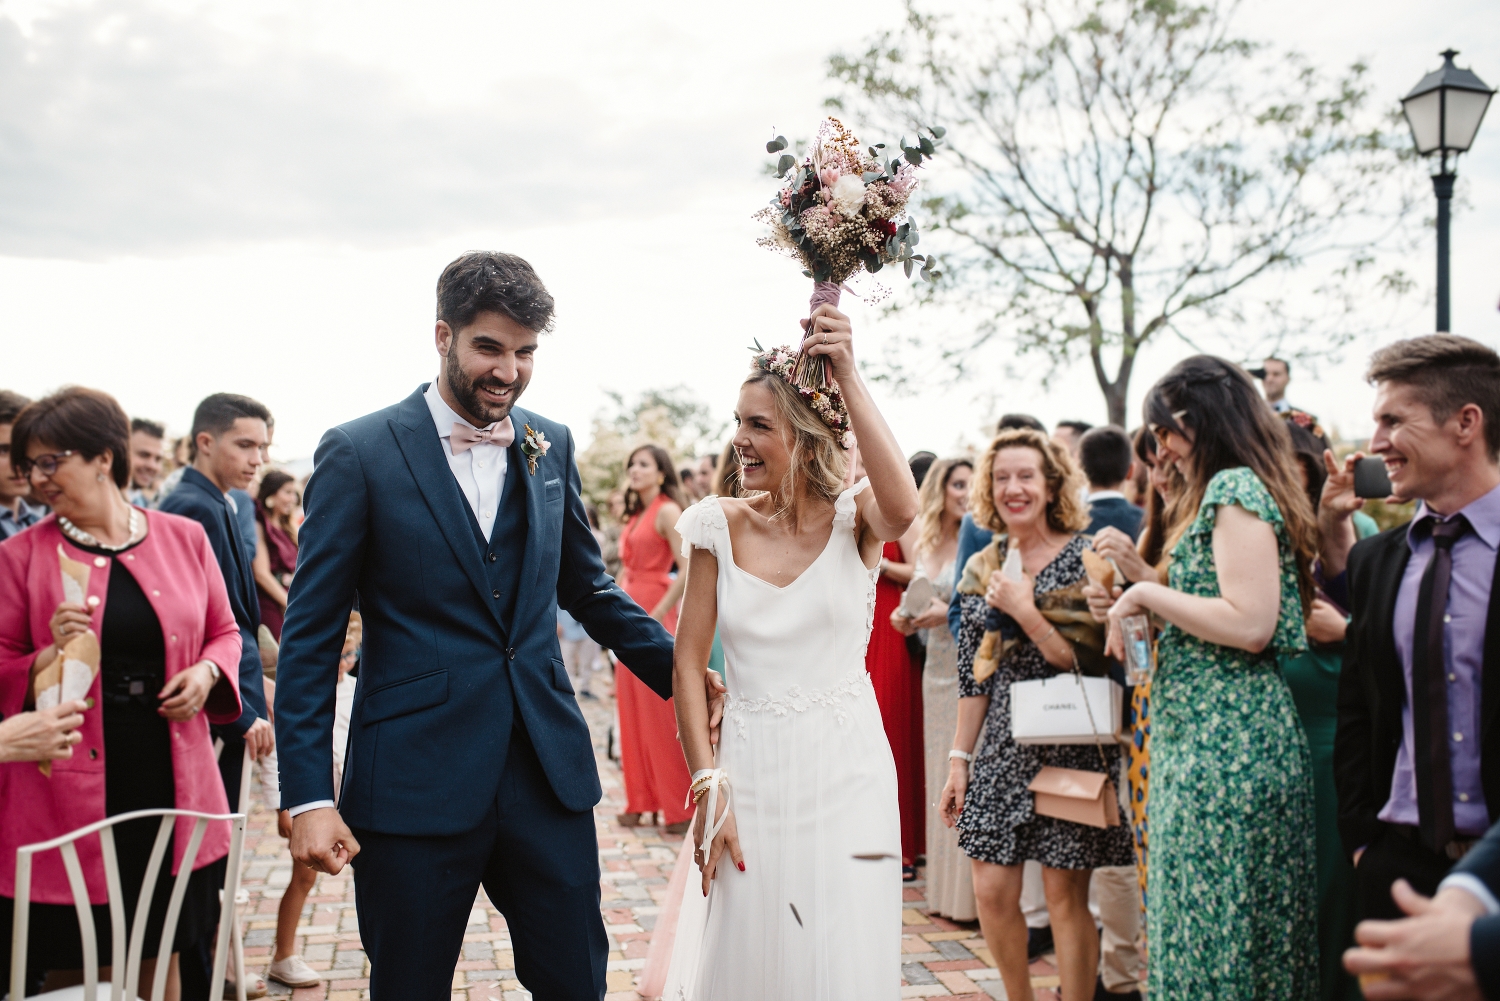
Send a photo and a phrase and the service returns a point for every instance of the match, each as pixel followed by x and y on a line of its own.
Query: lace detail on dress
pixel 700 526
pixel 796 700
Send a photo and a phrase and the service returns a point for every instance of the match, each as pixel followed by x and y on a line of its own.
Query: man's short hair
pixel 1023 421
pixel 86 421
pixel 1446 372
pixel 217 414
pixel 11 405
pixel 1105 454
pixel 150 429
pixel 1078 427
pixel 1280 361
pixel 483 281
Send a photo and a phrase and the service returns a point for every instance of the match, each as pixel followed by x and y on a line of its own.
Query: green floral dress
pixel 1233 913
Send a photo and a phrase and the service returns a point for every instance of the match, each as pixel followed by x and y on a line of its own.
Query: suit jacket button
pixel 493 557
pixel 495 593
pixel 511 653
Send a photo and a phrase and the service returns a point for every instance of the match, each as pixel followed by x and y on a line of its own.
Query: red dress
pixel 656 773
pixel 898 690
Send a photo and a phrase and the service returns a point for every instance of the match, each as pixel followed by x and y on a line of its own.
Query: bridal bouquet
pixel 843 210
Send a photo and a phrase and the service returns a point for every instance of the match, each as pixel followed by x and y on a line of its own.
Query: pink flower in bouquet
pixel 829 176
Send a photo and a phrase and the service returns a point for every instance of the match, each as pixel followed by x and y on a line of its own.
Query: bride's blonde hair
pixel 816 458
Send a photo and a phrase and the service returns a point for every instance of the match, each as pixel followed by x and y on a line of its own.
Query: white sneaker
pixel 293 972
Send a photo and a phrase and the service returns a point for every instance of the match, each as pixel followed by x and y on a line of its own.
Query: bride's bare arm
pixel 695 640
pixel 892 503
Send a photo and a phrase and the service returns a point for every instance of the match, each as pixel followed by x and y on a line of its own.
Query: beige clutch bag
pixel 1076 795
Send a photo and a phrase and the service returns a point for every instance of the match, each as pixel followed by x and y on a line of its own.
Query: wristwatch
pixel 956 753
pixel 213 669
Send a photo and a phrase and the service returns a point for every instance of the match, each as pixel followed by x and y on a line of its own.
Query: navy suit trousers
pixel 537 860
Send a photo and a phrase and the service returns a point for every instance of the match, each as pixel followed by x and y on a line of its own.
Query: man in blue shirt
pixel 15 513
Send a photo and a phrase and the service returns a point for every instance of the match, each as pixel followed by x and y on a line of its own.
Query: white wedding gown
pixel 814 789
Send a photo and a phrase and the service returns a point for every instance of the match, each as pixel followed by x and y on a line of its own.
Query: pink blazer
pixel 176 569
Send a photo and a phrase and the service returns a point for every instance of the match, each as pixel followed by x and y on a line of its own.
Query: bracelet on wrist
pixel 967 758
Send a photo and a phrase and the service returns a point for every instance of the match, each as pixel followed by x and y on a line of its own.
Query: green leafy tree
pixel 673 418
pixel 1118 170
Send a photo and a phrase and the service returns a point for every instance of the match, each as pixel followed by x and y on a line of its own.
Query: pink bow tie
pixel 464 437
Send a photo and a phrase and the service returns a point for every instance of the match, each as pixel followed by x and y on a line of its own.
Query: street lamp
pixel 1444 112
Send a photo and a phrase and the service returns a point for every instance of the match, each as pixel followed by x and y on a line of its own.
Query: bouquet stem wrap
pixel 812 370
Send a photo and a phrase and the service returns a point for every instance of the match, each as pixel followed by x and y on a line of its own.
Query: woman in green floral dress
pixel 1233 911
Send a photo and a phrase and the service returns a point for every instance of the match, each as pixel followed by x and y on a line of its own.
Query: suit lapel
pixel 1388 571
pixel 535 509
pixel 1489 686
pixel 423 450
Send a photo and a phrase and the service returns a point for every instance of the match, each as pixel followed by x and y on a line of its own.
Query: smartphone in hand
pixel 1370 479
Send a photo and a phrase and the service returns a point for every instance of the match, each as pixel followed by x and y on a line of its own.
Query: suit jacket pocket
pixel 554 490
pixel 560 677
pixel 402 697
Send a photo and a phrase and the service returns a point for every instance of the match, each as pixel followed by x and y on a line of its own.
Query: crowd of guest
pixel 1310 748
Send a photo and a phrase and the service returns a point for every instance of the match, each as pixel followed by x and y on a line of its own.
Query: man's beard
pixel 467 392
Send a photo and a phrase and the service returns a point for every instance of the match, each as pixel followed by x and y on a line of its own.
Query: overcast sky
pixel 213 195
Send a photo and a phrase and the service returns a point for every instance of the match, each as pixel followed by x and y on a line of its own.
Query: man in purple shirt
pixel 1417 754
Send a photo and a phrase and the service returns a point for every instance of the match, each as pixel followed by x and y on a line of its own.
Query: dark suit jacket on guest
pixel 1114 512
pixel 197 498
pixel 456 654
pixel 1483 863
pixel 1372 690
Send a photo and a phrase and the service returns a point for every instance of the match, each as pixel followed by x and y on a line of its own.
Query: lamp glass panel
pixel 1465 110
pixel 1422 114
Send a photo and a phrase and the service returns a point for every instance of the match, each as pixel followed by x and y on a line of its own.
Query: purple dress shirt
pixel 1463 653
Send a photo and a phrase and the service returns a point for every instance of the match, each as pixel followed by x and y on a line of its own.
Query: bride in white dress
pixel 803 879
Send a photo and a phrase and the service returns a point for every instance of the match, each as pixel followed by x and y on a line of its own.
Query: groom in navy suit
pixel 454 519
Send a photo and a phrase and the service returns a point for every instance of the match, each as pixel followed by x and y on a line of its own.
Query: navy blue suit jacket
pixel 443 671
pixel 1114 512
pixel 1483 862
pixel 197 498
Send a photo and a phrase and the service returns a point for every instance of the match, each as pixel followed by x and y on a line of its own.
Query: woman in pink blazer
pixel 170 652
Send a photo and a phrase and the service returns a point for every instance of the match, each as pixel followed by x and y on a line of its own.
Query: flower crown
pixel 826 402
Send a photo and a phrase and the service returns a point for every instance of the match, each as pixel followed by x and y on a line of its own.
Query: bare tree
pixel 672 417
pixel 1117 169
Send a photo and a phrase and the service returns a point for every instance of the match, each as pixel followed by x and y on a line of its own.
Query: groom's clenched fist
pixel 321 840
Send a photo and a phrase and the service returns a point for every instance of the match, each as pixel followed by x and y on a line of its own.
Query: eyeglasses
pixel 47 462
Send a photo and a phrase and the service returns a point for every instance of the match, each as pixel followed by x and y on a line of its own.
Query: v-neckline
pixel 729 539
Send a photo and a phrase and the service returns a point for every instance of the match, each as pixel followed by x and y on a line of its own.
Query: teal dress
pixel 1313 677
pixel 1233 912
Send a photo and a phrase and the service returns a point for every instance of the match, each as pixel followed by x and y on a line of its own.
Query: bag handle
pixel 1093 727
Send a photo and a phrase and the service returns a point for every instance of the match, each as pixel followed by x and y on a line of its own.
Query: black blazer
pixel 1372 690
pixel 1115 512
pixel 197 498
pixel 1483 862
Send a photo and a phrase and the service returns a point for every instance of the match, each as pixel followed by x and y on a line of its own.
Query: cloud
pixel 126 128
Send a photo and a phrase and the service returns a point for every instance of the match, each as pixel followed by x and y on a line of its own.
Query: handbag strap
pixel 1093 726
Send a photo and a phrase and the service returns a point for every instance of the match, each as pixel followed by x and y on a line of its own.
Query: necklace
pixel 83 538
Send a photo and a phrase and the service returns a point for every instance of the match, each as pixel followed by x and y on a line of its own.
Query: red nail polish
pixel 741 865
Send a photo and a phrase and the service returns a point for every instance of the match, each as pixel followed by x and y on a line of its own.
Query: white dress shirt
pixel 480 471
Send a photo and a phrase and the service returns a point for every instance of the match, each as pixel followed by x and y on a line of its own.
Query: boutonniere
pixel 533 446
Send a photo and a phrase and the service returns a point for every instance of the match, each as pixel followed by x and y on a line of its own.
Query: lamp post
pixel 1444 111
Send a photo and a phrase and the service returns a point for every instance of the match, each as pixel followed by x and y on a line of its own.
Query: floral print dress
pixel 997 823
pixel 1233 912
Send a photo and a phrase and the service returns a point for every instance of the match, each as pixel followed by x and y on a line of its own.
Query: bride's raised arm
pixel 890 506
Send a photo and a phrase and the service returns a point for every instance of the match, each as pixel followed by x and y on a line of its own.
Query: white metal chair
pixel 240 897
pixel 125 975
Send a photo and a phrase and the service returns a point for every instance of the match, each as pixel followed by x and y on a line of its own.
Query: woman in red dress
pixel 898 690
pixel 656 773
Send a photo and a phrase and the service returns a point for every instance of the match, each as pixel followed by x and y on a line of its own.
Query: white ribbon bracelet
pixel 718 779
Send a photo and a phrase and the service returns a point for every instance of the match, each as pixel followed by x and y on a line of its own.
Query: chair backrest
pixel 125 977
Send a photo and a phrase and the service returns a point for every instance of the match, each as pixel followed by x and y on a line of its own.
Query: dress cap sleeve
pixel 844 507
pixel 1238 487
pixel 700 526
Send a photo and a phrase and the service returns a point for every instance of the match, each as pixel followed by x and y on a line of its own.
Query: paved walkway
pixel 940 959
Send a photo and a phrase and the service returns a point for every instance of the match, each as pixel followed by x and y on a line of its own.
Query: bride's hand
pixel 951 802
pixel 728 839
pixel 827 333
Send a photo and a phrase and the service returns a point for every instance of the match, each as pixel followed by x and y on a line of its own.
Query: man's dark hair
pixel 1284 363
pixel 150 429
pixel 86 421
pixel 1447 372
pixel 920 463
pixel 11 405
pixel 483 281
pixel 1009 421
pixel 1078 427
pixel 217 414
pixel 1105 455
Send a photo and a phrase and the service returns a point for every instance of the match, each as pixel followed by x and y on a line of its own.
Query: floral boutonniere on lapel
pixel 534 446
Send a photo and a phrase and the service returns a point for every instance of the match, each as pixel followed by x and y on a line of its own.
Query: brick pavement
pixel 940 959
